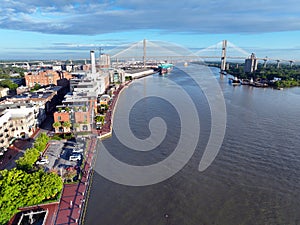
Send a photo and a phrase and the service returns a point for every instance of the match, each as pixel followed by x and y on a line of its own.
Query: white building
pixel 251 64
pixel 16 123
pixel 4 92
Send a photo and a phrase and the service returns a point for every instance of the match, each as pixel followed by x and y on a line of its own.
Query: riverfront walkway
pixel 70 209
pixel 106 129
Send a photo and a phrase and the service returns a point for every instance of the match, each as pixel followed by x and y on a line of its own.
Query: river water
pixel 253 180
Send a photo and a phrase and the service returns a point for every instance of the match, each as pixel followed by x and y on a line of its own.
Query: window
pixel 59 118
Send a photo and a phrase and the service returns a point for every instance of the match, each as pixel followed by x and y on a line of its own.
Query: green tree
pixel 67 125
pixel 20 189
pixel 99 119
pixel 9 84
pixel 67 109
pixel 31 155
pixel 56 125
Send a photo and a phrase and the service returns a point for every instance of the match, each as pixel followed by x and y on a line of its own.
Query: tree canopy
pixel 290 76
pixel 31 155
pixel 9 84
pixel 19 189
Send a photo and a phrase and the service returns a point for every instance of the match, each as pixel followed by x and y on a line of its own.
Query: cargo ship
pixel 165 68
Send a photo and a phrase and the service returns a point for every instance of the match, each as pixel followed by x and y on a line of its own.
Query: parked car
pixel 75 157
pixel 42 161
pixel 77 150
pixel 79 144
pixel 2 151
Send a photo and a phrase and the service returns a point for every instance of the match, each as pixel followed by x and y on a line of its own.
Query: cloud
pixel 98 17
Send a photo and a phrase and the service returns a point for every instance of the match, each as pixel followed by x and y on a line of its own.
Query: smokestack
pixel 93 62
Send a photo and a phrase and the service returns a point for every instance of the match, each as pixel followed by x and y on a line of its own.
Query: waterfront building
pixel 116 75
pixel 76 110
pixel 251 64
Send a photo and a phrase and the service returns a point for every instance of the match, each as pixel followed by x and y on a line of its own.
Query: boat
pixel 245 82
pixel 235 81
pixel 165 68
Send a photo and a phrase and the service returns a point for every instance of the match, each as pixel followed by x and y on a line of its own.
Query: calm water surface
pixel 254 179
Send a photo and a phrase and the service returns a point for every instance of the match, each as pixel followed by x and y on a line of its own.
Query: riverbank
pixel 106 130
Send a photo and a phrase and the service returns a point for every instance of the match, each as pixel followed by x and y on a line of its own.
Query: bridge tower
pixel 278 63
pixel 144 55
pixel 223 57
pixel 265 61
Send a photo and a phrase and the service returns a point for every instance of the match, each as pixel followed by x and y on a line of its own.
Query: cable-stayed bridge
pixel 153 51
pixel 146 52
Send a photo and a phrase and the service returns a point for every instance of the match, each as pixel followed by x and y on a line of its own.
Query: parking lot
pixel 59 154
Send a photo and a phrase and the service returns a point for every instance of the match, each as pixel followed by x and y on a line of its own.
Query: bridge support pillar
pixel 265 63
pixel 223 57
pixel 278 63
pixel 144 51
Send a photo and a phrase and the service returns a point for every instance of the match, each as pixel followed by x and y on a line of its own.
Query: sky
pixel 69 29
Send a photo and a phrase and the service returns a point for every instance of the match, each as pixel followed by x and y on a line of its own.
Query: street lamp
pixel 167 218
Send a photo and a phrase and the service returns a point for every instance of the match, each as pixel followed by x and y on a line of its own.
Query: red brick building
pixel 45 78
pixel 61 117
pixel 81 118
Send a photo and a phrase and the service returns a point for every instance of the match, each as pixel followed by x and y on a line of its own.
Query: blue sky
pixel 68 29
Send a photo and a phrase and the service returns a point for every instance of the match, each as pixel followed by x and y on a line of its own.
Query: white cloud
pixel 96 17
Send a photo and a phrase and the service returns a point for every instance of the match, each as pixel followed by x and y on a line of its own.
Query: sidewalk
pixel 73 196
pixel 107 127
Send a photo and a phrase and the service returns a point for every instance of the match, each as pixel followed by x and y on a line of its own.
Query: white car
pixel 79 145
pixel 42 162
pixel 75 157
pixel 77 150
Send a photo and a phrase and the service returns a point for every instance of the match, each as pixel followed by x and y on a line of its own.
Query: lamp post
pixel 167 218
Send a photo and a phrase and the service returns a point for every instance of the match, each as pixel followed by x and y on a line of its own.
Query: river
pixel 253 180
